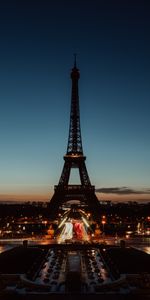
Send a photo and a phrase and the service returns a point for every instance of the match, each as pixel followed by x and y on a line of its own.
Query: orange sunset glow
pixel 101 196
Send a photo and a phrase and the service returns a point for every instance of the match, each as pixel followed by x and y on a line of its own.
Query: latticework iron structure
pixel 74 158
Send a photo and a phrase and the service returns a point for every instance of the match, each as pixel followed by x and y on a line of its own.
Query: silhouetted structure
pixel 74 158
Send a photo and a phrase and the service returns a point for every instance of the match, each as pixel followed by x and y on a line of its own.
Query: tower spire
pixel 74 140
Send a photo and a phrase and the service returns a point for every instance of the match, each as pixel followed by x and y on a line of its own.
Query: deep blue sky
pixel 112 40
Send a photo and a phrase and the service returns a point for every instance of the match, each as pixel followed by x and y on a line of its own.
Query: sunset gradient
pixel 112 41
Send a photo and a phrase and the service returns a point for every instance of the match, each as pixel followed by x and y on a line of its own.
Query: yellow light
pixel 85 222
pixel 103 222
pixel 62 222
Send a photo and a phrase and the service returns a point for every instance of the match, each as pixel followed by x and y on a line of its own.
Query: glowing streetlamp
pixel 103 222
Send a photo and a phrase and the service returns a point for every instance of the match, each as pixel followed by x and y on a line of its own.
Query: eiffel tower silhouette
pixel 74 158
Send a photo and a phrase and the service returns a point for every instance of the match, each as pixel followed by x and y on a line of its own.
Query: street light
pixel 103 223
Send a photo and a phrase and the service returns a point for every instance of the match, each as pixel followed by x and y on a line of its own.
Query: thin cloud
pixel 122 191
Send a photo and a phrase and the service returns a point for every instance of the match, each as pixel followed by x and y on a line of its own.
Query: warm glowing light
pixel 85 222
pixel 44 222
pixel 62 222
pixel 103 222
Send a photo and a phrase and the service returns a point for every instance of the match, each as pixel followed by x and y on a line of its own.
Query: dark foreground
pixel 50 272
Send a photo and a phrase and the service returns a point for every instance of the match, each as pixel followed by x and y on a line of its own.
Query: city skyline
pixel 112 42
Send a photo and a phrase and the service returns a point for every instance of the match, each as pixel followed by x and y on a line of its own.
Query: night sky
pixel 37 43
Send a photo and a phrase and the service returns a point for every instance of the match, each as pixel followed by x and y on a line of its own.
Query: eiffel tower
pixel 74 158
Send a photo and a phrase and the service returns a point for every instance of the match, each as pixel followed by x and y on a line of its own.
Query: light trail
pixel 62 222
pixel 85 222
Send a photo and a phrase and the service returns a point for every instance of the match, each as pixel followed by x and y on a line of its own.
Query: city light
pixel 62 222
pixel 85 222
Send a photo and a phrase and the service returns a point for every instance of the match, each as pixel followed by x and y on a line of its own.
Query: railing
pixel 74 188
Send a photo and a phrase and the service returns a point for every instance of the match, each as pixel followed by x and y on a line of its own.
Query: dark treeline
pixel 131 210
pixel 22 210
